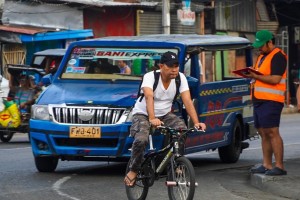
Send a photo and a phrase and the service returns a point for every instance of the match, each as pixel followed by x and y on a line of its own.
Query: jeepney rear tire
pixel 7 136
pixel 46 164
pixel 231 153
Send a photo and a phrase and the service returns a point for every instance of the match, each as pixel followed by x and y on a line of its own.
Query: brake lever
pixel 200 130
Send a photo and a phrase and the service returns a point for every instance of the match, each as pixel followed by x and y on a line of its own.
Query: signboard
pixel 185 15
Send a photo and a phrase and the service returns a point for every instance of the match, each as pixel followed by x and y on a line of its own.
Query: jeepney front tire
pixel 231 153
pixel 46 164
pixel 7 136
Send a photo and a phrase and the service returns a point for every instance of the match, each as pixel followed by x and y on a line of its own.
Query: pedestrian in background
pixel 268 100
pixel 298 98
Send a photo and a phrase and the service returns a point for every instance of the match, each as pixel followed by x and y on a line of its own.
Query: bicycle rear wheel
pixel 183 180
pixel 139 191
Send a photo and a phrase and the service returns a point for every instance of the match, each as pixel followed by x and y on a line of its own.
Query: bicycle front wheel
pixel 181 180
pixel 139 191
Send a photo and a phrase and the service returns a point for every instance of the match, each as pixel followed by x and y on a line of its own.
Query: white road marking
pixel 56 187
pixel 15 148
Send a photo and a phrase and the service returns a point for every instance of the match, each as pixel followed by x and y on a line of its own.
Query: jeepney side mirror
pixel 47 79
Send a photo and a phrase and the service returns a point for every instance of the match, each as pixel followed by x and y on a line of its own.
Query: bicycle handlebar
pixel 162 128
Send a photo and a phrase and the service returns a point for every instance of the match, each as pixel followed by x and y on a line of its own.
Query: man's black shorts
pixel 267 114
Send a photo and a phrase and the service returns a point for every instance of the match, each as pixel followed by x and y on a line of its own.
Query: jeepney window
pixel 45 62
pixel 218 65
pixel 191 63
pixel 228 61
pixel 108 63
pixel 39 61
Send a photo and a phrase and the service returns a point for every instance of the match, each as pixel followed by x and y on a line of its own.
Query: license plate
pixel 84 132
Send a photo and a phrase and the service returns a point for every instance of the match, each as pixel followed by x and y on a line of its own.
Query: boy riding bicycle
pixel 153 108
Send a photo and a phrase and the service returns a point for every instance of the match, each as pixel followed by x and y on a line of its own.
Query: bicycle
pixel 180 171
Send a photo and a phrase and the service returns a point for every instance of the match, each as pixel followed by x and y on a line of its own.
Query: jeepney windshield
pixel 111 63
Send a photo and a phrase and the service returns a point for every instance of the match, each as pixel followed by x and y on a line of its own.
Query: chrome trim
pixel 65 114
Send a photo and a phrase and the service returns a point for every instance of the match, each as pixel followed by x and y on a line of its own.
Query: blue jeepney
pixel 85 114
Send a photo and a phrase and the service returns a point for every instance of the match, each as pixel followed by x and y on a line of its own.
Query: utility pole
pixel 166 19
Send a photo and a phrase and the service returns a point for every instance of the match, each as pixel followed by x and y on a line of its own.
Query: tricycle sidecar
pixel 43 62
pixel 15 108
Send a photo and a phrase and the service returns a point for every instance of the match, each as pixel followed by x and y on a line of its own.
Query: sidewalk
pixel 284 186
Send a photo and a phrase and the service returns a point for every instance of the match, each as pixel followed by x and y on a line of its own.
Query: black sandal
pixel 276 171
pixel 258 170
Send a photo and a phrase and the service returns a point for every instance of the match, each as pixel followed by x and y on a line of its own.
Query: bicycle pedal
pixel 171 183
pixel 174 183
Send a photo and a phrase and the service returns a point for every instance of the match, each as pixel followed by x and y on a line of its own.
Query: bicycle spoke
pixel 183 181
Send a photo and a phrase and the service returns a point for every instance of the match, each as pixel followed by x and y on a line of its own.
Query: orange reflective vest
pixel 269 91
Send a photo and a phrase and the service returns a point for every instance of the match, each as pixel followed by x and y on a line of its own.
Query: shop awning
pixel 58 35
pixel 16 34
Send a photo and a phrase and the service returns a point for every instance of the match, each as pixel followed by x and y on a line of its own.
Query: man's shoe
pixel 258 170
pixel 276 171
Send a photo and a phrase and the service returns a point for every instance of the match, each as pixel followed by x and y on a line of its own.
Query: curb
pixel 277 185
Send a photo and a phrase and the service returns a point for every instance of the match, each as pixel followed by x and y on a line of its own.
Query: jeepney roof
pixel 183 39
pixel 51 52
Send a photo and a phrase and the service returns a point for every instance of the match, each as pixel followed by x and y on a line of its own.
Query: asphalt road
pixel 19 179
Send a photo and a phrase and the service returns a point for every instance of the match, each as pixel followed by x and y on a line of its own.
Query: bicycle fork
pixel 175 183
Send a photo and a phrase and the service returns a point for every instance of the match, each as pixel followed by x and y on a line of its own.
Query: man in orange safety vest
pixel 268 99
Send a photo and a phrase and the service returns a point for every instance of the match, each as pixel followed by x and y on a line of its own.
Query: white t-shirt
pixel 163 98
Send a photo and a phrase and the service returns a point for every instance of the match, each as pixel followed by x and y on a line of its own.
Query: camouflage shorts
pixel 140 129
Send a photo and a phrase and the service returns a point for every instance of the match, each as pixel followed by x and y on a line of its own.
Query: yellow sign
pixel 84 132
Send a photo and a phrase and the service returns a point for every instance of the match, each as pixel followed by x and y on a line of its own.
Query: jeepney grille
pixel 95 115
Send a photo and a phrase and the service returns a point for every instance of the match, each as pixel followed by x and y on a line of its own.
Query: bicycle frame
pixel 172 149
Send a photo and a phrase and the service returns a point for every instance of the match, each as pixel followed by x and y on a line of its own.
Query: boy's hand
pixel 155 122
pixel 200 126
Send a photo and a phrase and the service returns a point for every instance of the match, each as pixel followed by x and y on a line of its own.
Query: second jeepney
pixel 85 114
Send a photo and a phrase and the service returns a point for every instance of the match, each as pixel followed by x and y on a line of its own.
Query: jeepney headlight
pixel 40 112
